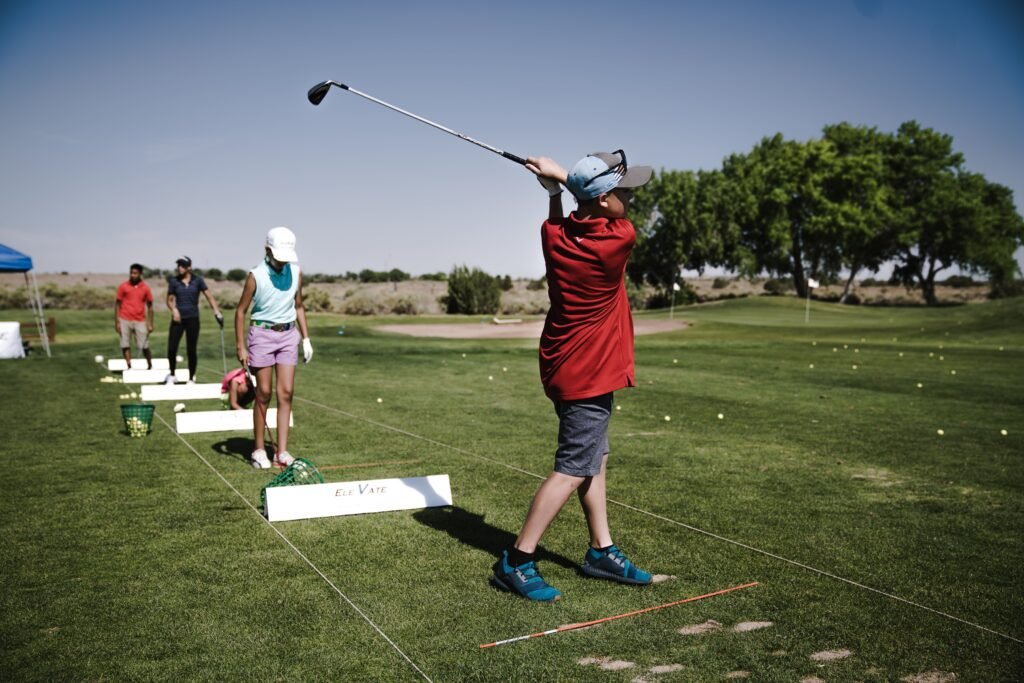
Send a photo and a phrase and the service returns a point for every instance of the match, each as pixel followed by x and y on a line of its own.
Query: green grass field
pixel 131 559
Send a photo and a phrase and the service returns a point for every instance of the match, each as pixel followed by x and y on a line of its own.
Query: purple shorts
pixel 267 347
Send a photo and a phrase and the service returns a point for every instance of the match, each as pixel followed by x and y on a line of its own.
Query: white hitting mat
pixel 152 376
pixel 179 392
pixel 223 421
pixel 306 501
pixel 119 364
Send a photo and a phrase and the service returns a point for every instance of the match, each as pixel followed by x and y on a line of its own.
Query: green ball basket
pixel 138 418
pixel 301 471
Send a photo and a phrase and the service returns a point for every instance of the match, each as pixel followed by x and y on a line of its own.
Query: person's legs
pixel 264 387
pixel 285 392
pixel 142 341
pixel 547 503
pixel 593 497
pixel 126 341
pixel 173 340
pixel 192 345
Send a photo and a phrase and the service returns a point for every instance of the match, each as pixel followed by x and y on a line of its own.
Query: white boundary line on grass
pixel 298 552
pixel 672 521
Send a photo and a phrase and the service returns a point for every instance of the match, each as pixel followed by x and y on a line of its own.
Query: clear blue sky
pixel 139 131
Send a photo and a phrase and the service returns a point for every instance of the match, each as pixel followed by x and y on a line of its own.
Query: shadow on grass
pixel 239 447
pixel 471 529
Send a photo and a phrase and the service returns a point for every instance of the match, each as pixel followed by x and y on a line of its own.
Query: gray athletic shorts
pixel 138 329
pixel 582 435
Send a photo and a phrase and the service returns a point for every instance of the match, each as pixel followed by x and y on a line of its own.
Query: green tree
pixel 472 292
pixel 944 216
pixel 236 275
pixel 854 216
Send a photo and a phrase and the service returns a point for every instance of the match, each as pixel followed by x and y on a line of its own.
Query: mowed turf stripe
pixel 298 552
pixel 662 518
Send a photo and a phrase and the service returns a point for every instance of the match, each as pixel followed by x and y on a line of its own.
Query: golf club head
pixel 318 92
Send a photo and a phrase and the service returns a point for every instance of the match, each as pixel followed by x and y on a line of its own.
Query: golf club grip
pixel 513 157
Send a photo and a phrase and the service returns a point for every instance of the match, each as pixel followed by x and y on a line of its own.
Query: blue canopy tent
pixel 13 261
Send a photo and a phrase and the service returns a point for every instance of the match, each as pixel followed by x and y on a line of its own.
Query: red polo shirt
pixel 586 349
pixel 133 300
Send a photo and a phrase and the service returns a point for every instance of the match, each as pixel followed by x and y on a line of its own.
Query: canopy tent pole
pixel 37 310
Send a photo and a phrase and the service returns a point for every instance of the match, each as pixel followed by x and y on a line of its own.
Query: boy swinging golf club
pixel 270 345
pixel 586 353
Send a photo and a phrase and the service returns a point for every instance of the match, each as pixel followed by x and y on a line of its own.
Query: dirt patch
pixel 931 677
pixel 661 578
pixel 831 655
pixel 745 626
pixel 812 679
pixel 606 663
pixel 525 330
pixel 733 675
pixel 698 629
pixel 666 669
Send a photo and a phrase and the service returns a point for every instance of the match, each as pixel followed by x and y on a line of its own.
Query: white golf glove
pixel 307 350
pixel 552 186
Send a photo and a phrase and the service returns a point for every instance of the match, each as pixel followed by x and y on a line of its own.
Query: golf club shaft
pixel 223 353
pixel 317 92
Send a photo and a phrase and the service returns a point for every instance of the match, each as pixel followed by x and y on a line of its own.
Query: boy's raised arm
pixel 551 176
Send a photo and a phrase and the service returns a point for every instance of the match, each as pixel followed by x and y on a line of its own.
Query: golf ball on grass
pixel 490 377
pixel 618 407
pixel 1003 432
pixel 940 432
pixel 380 400
pixel 721 416
pixel 920 386
pixel 668 418
pixel 179 407
pixel 99 359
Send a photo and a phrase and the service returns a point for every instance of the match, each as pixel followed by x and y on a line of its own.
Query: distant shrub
pixel 538 284
pixel 434 277
pixel 77 297
pixel 1005 290
pixel 227 303
pixel 778 286
pixel 403 305
pixel 684 297
pixel 720 283
pixel 959 281
pixel 215 274
pixel 635 294
pixel 506 283
pixel 852 299
pixel 472 292
pixel 393 275
pixel 364 305
pixel 319 277
pixel 316 300
pixel 237 275
pixel 14 298
pixel 521 307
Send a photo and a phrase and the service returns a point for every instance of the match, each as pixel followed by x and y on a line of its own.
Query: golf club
pixel 318 92
pixel 223 353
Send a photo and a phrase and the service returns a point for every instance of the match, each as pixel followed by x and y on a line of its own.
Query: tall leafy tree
pixel 854 216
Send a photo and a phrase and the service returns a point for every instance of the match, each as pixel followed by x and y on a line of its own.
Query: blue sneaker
pixel 524 580
pixel 613 565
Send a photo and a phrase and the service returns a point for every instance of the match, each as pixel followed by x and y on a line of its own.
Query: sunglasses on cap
pixel 618 169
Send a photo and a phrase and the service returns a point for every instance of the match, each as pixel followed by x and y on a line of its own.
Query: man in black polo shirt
pixel 183 302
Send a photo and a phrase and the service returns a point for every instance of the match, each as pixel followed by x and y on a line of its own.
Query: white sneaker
pixel 283 459
pixel 170 379
pixel 191 380
pixel 259 459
